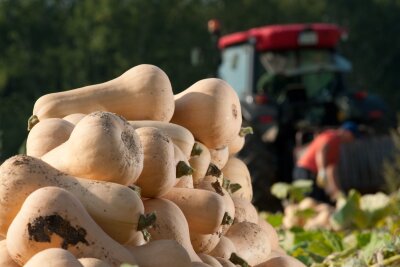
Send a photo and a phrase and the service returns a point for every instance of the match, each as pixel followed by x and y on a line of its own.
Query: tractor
pixel 291 81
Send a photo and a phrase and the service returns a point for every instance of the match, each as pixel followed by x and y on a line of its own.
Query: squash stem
pixel 234 187
pixel 146 221
pixel 32 121
pixel 245 131
pixel 213 170
pixel 226 183
pixel 196 150
pixel 235 259
pixel 227 219
pixel 217 187
pixel 182 169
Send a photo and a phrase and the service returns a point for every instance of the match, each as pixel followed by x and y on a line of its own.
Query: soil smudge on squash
pixel 41 229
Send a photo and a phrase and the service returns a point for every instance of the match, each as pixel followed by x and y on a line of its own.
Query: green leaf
pixel 332 240
pixel 349 212
pixel 280 190
pixel 375 207
pixel 275 219
pixel 320 248
pixel 299 189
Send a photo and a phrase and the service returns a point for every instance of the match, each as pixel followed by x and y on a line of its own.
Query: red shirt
pixel 308 159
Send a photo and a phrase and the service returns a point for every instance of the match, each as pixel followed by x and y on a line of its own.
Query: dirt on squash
pixel 41 229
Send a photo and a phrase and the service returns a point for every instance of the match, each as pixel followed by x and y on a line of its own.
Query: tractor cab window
pixel 313 70
pixel 236 68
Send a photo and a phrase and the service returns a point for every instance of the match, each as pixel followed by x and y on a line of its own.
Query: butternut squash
pixel 282 261
pixel 199 264
pixel 74 118
pixel 179 135
pixel 229 206
pixel 199 160
pixel 103 146
pixel 213 174
pixel 251 242
pixel 238 142
pixel 138 239
pixel 159 173
pixel 5 259
pixel 237 172
pixel 219 157
pixel 204 210
pixel 53 257
pixel 51 217
pixel 116 208
pixel 92 262
pixel 210 260
pixel 47 135
pixel 210 110
pixel 270 230
pixel 170 224
pixel 204 243
pixel 161 253
pixel 184 171
pixel 223 249
pixel 244 211
pixel 130 95
pixel 225 262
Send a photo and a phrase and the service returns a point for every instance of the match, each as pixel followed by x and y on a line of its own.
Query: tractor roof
pixel 287 36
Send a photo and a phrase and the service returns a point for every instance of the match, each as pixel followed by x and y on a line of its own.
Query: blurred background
pixel 53 45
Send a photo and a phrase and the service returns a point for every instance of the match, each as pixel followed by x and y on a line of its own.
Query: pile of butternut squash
pixel 125 173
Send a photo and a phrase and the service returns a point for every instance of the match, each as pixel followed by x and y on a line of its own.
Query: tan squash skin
pixel 204 243
pixel 159 173
pixel 223 249
pixel 170 224
pixel 199 162
pixel 103 146
pixel 53 257
pixel 237 172
pixel 229 206
pixel 161 253
pixel 116 208
pixel 282 261
pixel 272 234
pixel 51 217
pixel 209 260
pixel 210 109
pixel 144 92
pixel 199 264
pixel 92 262
pixel 5 259
pixel 74 118
pixel 244 211
pixel 47 135
pixel 181 136
pixel 137 239
pixel 250 241
pixel 219 156
pixel 204 210
pixel 238 142
pixel 225 262
pixel 183 169
pixel 236 145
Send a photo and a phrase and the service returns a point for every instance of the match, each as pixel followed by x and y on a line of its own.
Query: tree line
pixel 53 45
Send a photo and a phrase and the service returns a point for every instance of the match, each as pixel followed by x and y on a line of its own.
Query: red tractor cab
pixel 291 82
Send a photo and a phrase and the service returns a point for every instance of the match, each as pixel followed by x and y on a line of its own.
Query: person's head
pixel 350 130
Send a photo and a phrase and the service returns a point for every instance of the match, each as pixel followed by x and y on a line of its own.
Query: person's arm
pixel 322 163
pixel 326 178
